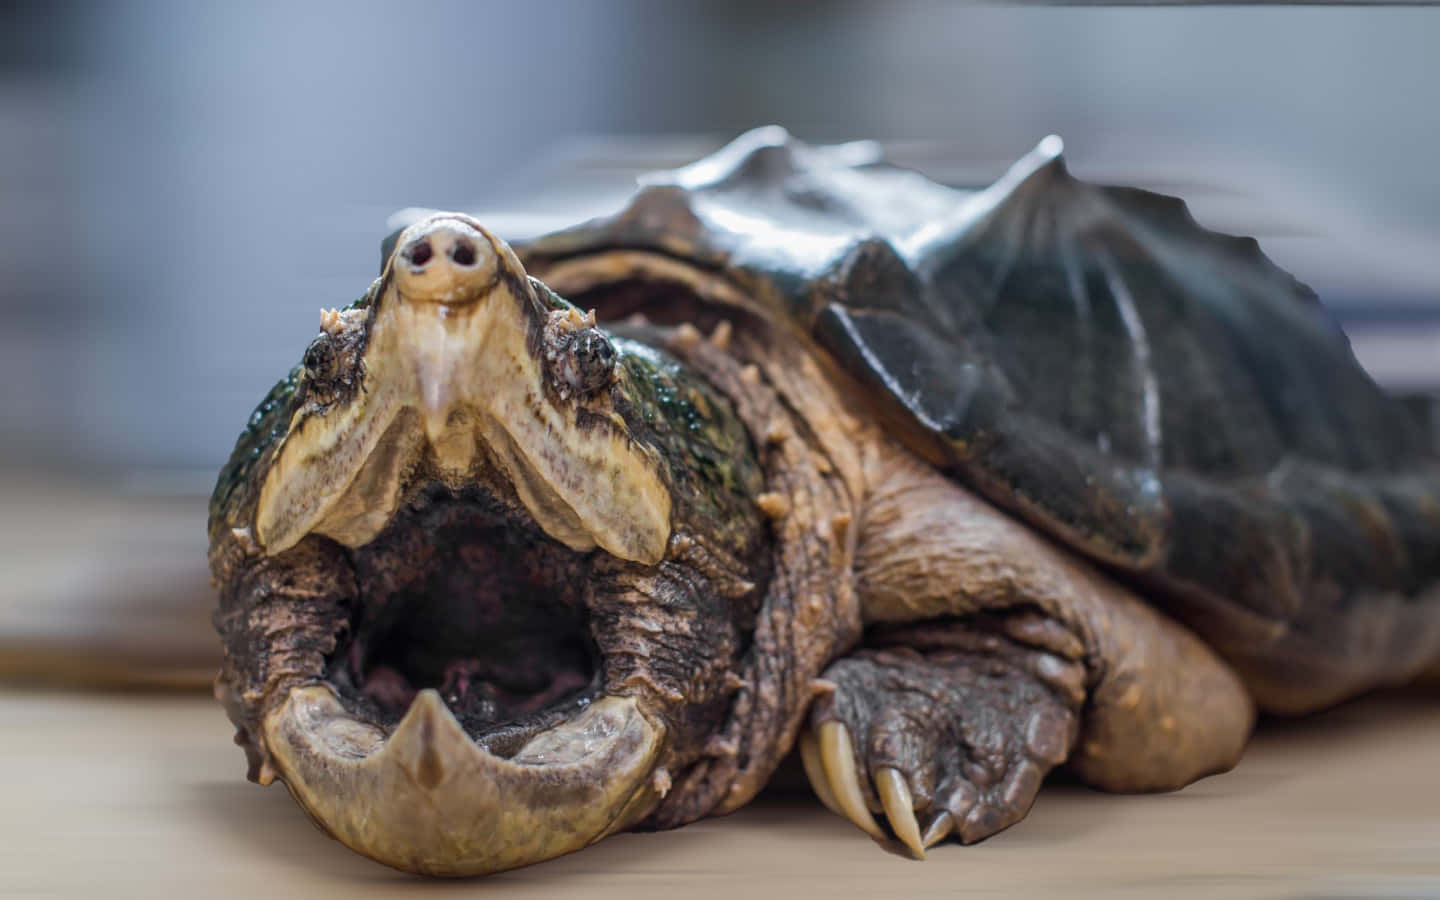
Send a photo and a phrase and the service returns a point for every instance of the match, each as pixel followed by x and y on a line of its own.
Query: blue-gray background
pixel 184 185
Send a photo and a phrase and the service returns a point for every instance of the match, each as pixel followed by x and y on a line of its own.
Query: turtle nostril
pixel 463 253
pixel 418 254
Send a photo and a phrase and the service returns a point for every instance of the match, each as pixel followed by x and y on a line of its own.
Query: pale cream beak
pixel 443 268
pixel 428 799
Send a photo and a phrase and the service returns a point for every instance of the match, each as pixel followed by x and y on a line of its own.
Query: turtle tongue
pixel 428 799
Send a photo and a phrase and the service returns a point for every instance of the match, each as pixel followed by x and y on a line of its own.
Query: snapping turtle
pixel 946 488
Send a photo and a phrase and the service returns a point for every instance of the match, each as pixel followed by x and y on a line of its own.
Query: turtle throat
pixel 458 595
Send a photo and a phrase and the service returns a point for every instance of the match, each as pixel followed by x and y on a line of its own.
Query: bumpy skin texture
pixel 279 619
pixel 810 613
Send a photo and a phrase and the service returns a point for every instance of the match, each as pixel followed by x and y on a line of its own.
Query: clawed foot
pixel 830 764
pixel 951 742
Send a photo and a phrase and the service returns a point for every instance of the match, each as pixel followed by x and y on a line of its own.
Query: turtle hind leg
pixel 947 730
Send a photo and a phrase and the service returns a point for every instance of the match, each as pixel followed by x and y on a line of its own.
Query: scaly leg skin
pixel 1009 637
pixel 951 740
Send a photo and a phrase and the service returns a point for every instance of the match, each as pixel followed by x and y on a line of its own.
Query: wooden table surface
pixel 142 795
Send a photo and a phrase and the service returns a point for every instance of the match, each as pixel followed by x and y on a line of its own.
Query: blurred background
pixel 184 185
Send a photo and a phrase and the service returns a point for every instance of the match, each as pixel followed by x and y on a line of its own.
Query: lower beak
pixel 428 799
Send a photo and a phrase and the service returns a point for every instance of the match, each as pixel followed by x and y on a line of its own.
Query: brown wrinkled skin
pixel 1014 656
pixel 1160 708
pixel 271 622
pixel 811 613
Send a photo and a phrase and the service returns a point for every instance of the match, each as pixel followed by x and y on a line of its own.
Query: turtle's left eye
pixel 591 365
pixel 320 358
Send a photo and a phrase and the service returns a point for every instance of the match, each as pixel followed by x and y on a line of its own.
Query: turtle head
pixel 485 570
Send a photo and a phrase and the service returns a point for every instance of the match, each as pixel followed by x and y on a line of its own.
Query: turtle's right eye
pixel 320 358
pixel 592 362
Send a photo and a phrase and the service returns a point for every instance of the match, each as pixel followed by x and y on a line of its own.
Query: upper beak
pixel 451 349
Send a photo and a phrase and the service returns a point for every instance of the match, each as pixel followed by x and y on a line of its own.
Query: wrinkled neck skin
pixel 361 486
pixel 808 444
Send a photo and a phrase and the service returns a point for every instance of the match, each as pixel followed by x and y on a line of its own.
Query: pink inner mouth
pixel 468 687
pixel 457 596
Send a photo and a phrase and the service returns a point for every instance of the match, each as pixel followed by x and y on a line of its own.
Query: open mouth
pixel 461 726
pixel 458 595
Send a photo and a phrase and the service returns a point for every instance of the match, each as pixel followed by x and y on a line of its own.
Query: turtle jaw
pixel 428 799
pixel 463 724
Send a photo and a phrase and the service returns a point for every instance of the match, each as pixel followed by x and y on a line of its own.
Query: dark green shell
pixel 1158 396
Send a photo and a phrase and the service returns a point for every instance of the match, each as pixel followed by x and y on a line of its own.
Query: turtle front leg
pixel 942 730
pixel 990 656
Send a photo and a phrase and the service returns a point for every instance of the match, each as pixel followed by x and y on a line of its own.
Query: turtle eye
pixel 320 358
pixel 592 362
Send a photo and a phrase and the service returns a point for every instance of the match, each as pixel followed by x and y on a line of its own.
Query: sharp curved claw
pixel 899 808
pixel 815 771
pixel 839 762
pixel 939 829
